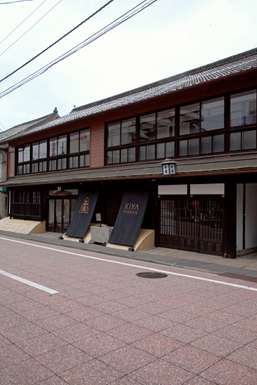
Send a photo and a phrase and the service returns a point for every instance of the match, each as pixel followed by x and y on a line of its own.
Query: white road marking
pixel 141 267
pixel 27 282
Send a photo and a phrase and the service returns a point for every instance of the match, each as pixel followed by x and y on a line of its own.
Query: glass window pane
pixel 26 154
pixel 53 147
pixel 82 160
pixel 35 151
pixel 26 168
pixel 132 154
pixel 52 165
pixel 74 162
pixel 42 166
pixel 235 141
pixel 150 152
pixel 166 123
pixel 193 147
pixel 128 131
pixel 124 155
pixel 147 127
pixel 87 161
pixel 249 140
pixel 62 145
pixel 34 167
pixel 190 119
pixel 243 109
pixel 109 157
pixel 74 142
pixel 113 134
pixel 160 150
pixel 84 141
pixel 20 155
pixel 213 114
pixel 170 150
pixel 183 147
pixel 43 149
pixel 142 153
pixel 218 143
pixel 116 156
pixel 206 145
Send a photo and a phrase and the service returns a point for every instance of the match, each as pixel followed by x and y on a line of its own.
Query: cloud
pixel 168 38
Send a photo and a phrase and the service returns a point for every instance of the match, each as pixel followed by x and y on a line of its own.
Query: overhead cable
pixel 22 21
pixel 57 41
pixel 31 27
pixel 14 1
pixel 115 23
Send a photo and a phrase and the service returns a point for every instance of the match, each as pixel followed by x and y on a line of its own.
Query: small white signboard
pixel 168 168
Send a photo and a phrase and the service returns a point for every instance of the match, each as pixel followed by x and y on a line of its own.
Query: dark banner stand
pixel 130 218
pixel 82 215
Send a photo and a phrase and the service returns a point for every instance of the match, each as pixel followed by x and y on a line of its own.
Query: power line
pixel 22 22
pixel 12 2
pixel 107 28
pixel 31 27
pixel 57 41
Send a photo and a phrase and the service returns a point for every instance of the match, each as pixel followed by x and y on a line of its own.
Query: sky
pixel 169 37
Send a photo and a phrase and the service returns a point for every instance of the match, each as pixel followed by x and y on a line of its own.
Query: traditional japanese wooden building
pixel 188 140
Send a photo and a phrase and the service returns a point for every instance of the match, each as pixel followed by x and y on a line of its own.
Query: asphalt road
pixel 81 318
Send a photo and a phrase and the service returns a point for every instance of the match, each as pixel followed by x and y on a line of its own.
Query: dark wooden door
pixel 195 224
pixel 59 214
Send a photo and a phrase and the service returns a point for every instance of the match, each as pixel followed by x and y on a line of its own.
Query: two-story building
pixel 5 136
pixel 203 121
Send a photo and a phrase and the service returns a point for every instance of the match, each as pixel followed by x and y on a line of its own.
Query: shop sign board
pixel 82 215
pixel 130 217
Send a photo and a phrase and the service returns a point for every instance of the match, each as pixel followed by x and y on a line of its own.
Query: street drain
pixel 152 274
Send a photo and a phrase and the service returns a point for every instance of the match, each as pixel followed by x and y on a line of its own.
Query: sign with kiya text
pixel 129 219
pixel 82 215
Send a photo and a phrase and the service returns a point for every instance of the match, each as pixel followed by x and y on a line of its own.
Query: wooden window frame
pixel 57 157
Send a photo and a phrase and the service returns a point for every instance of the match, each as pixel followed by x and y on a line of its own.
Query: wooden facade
pixel 208 129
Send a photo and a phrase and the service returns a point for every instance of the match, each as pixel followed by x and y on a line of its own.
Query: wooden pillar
pixel 230 220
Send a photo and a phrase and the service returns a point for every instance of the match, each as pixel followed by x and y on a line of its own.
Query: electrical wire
pixel 22 22
pixel 107 28
pixel 57 41
pixel 12 2
pixel 30 28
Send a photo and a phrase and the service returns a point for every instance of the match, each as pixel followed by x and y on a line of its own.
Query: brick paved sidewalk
pixel 108 326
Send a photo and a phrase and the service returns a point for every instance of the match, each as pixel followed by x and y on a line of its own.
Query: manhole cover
pixel 152 274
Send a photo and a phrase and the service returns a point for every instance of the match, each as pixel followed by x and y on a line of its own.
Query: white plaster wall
pixel 251 216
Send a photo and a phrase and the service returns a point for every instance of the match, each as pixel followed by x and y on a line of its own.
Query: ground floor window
pixel 26 204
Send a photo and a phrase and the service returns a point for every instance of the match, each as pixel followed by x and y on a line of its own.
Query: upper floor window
pixel 127 139
pixel 202 117
pixel 23 166
pixel 39 155
pixel 79 148
pixel 58 153
pixel 212 114
pixel 243 109
pixel 190 119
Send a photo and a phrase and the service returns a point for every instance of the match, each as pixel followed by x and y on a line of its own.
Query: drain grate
pixel 152 274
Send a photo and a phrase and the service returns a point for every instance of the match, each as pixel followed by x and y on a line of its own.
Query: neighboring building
pixel 204 120
pixel 6 151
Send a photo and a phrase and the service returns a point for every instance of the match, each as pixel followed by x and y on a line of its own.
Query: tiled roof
pixel 23 128
pixel 232 65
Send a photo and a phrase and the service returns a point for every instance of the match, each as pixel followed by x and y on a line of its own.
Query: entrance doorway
pixel 59 214
pixel 189 223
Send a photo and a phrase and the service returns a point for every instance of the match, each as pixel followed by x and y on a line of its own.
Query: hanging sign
pixel 82 215
pixel 168 168
pixel 129 219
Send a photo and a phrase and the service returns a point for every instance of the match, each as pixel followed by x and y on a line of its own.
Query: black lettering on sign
pixel 129 219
